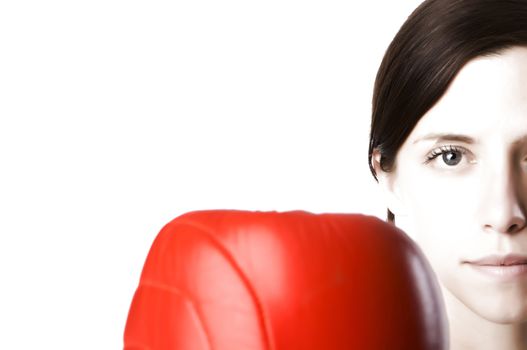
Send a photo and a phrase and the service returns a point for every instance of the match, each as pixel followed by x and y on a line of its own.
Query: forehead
pixel 487 98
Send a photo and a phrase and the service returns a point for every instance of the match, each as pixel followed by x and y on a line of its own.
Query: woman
pixel 448 146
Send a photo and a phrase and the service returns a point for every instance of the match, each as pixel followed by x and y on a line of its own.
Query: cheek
pixel 440 217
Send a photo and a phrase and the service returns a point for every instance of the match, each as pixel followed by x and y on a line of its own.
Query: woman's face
pixel 465 196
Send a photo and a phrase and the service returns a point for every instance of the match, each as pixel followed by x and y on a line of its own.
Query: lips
pixel 509 268
pixel 500 260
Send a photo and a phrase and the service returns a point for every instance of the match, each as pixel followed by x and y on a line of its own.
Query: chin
pixel 503 315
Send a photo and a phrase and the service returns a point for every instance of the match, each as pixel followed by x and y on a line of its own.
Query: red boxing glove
pixel 231 279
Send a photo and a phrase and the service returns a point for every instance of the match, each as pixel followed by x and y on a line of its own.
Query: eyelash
pixel 444 149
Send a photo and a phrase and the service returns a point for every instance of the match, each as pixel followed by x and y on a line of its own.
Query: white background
pixel 118 116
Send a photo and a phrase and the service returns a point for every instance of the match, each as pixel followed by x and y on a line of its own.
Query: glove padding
pixel 232 279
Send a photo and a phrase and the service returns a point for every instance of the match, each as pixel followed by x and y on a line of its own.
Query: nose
pixel 505 202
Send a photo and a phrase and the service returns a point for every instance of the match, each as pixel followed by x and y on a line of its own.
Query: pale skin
pixel 471 201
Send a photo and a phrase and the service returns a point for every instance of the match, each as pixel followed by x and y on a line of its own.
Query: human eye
pixel 451 155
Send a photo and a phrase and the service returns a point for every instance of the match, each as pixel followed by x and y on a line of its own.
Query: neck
pixel 469 330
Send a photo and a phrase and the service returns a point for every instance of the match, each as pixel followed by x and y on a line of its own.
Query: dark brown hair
pixel 433 44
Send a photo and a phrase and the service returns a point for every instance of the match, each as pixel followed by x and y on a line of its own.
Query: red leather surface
pixel 230 279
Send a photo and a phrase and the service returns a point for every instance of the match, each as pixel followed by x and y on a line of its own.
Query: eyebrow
pixel 447 137
pixel 440 137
